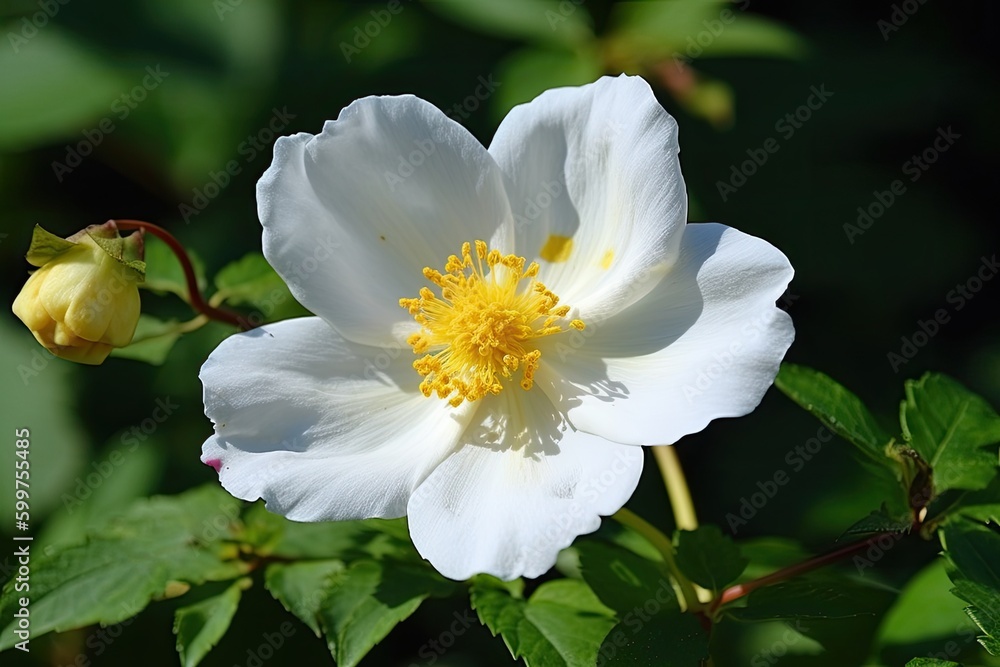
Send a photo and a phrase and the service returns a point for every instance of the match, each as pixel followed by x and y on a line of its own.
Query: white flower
pixel 518 426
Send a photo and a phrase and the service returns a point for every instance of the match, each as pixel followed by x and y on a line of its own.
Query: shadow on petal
pixel 520 421
pixel 573 366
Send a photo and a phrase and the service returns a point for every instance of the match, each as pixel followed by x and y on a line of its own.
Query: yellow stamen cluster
pixel 481 329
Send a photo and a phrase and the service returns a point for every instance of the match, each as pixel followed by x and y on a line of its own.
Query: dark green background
pixel 851 303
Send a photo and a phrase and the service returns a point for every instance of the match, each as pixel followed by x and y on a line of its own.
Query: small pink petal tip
pixel 215 463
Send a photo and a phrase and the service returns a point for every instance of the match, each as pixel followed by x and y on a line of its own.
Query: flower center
pixel 483 326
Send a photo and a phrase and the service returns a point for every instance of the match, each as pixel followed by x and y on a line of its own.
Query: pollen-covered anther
pixel 484 326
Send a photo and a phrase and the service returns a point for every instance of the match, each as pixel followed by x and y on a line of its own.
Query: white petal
pixel 352 216
pixel 596 164
pixel 507 506
pixel 706 343
pixel 321 428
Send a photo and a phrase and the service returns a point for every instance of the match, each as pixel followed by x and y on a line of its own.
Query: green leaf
pixel 200 626
pixel 654 31
pixel 840 410
pixel 907 621
pixel 751 35
pixel 810 598
pixel 668 638
pixel 116 247
pixel 153 550
pixel 709 558
pixel 650 625
pixel 983 513
pixel 974 554
pixel 248 280
pixel 527 73
pixel 126 472
pixel 252 281
pixel 152 341
pixel 561 625
pixel 622 579
pixel 368 599
pixel 627 538
pixel 347 540
pixel 981 506
pixel 45 246
pixel 669 22
pixel 62 89
pixel 248 40
pixel 543 21
pixel 164 274
pixel 880 521
pixel 302 587
pixel 932 662
pixel 984 610
pixel 354 605
pixel 951 428
pixel 975 551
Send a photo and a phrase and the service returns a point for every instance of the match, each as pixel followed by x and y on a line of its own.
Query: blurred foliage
pixel 167 110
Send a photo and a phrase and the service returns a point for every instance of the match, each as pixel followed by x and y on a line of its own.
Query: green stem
pixel 196 300
pixel 184 327
pixel 666 548
pixel 677 487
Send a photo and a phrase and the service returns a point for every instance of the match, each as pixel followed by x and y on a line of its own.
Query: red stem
pixel 740 590
pixel 197 301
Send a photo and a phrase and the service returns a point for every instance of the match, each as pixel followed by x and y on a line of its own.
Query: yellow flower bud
pixel 83 301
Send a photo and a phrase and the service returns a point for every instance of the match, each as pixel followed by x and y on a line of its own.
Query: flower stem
pixel 737 591
pixel 184 327
pixel 689 598
pixel 196 300
pixel 677 487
